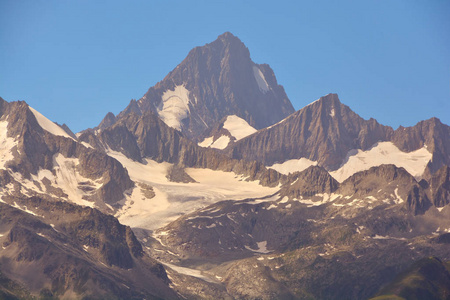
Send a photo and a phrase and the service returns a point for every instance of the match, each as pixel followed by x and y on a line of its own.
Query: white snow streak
pixel 260 80
pixel 174 106
pixel 48 125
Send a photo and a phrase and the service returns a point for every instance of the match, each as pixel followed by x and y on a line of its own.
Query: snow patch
pixel 68 179
pixel 174 106
pixel 262 247
pixel 206 142
pixel 238 127
pixel 48 125
pixel 6 145
pixel 260 80
pixel 398 199
pixel 383 153
pixel 87 145
pixel 189 272
pixel 293 165
pixel 25 209
pixel 221 143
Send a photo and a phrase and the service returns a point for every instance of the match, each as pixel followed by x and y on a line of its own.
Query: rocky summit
pixel 211 186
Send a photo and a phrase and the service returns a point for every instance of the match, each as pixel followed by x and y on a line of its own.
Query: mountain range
pixel 211 186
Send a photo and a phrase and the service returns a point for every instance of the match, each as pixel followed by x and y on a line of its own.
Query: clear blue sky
pixel 76 60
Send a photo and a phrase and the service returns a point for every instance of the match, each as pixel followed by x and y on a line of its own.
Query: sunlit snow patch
pixel 6 145
pixel 383 153
pixel 221 143
pixel 238 127
pixel 48 125
pixel 206 142
pixel 293 165
pixel 174 106
pixel 68 178
pixel 260 79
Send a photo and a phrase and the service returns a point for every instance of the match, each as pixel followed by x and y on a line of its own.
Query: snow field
pixel 175 199
pixel 174 106
pixel 383 153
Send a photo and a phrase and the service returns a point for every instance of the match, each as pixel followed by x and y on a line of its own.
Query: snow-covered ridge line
pixel 48 125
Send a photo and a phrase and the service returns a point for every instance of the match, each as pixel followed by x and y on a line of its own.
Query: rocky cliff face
pixel 147 136
pixel 431 134
pixel 440 187
pixel 214 81
pixel 323 131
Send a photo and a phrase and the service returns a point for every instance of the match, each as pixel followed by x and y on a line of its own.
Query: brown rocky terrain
pixel 313 243
pixel 323 131
pixel 222 80
pixel 59 249
pixel 146 136
pixel 36 150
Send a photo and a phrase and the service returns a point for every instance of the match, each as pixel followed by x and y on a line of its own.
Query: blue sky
pixel 76 60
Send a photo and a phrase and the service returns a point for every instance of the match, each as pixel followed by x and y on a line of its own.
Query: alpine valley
pixel 211 186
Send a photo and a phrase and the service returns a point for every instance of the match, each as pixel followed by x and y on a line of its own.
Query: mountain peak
pixel 228 37
pixel 214 81
pixel 327 99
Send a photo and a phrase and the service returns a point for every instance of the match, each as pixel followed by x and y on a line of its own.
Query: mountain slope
pixel 329 134
pixel 214 81
pixel 44 159
pixel 75 252
pixel 324 131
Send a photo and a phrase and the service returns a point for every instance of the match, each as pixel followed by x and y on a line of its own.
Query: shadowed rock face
pixel 221 80
pixel 430 133
pixel 323 131
pixel 440 187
